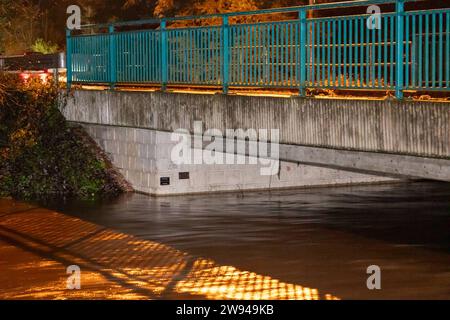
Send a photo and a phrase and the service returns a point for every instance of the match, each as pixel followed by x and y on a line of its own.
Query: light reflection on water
pixel 319 238
pixel 42 242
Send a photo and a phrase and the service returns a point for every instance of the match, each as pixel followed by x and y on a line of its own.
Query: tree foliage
pixel 18 25
pixel 40 154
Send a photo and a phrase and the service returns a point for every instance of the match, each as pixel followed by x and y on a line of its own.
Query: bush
pixel 44 47
pixel 40 154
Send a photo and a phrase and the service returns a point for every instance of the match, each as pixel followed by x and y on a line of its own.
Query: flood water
pixel 322 238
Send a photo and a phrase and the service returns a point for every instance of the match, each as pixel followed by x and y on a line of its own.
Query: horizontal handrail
pixel 315 7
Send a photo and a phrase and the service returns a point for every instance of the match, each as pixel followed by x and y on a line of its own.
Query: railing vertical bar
pixel 413 52
pixel 69 55
pixel 385 53
pixel 211 56
pixel 201 60
pixel 441 62
pixel 131 57
pixel 139 57
pixel 345 54
pixel 323 45
pixel 151 50
pixel 191 47
pixel 433 51
pixel 254 56
pixel 447 42
pixel 318 55
pixel 334 78
pixel 363 58
pixel 407 48
pixel 303 42
pixel 258 55
pixel 225 54
pixel 427 51
pixel 240 44
pixel 253 50
pixel 142 55
pixel 282 53
pixel 249 41
pixel 234 55
pixel 368 59
pixel 356 47
pixel 164 66
pixel 373 58
pixel 313 53
pixel 293 54
pixel 420 53
pixel 138 47
pixel 379 60
pixel 278 55
pixel 246 55
pixel 400 47
pixel 350 52
pixel 112 57
pixel 286 53
pixel 151 56
pixel 329 53
pixel 214 57
pixel 339 53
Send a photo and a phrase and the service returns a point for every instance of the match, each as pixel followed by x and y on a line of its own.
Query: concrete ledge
pixel 417 128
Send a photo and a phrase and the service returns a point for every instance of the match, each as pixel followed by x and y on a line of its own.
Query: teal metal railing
pixel 410 50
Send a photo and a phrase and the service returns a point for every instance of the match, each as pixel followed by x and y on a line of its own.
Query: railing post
pixel 226 54
pixel 302 53
pixel 164 53
pixel 69 58
pixel 400 9
pixel 112 58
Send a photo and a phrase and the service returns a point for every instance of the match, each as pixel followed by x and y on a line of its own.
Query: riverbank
pixel 41 155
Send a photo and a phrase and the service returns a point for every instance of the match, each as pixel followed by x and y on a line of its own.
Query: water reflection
pixel 149 269
pixel 320 238
pixel 307 244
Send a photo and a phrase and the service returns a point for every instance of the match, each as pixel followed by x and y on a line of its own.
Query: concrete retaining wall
pixel 143 157
pixel 409 128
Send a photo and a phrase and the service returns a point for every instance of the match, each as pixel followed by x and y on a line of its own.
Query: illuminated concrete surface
pixel 37 245
pixel 303 244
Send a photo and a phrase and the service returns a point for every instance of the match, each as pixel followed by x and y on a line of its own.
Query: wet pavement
pixel 299 244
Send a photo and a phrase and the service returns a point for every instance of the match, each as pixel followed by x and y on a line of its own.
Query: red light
pixel 25 76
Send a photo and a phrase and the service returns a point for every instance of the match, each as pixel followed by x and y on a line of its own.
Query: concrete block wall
pixel 416 128
pixel 143 157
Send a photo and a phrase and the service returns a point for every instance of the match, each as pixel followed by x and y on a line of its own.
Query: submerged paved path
pixel 37 245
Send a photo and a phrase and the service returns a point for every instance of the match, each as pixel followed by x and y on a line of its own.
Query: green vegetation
pixel 41 156
pixel 44 47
